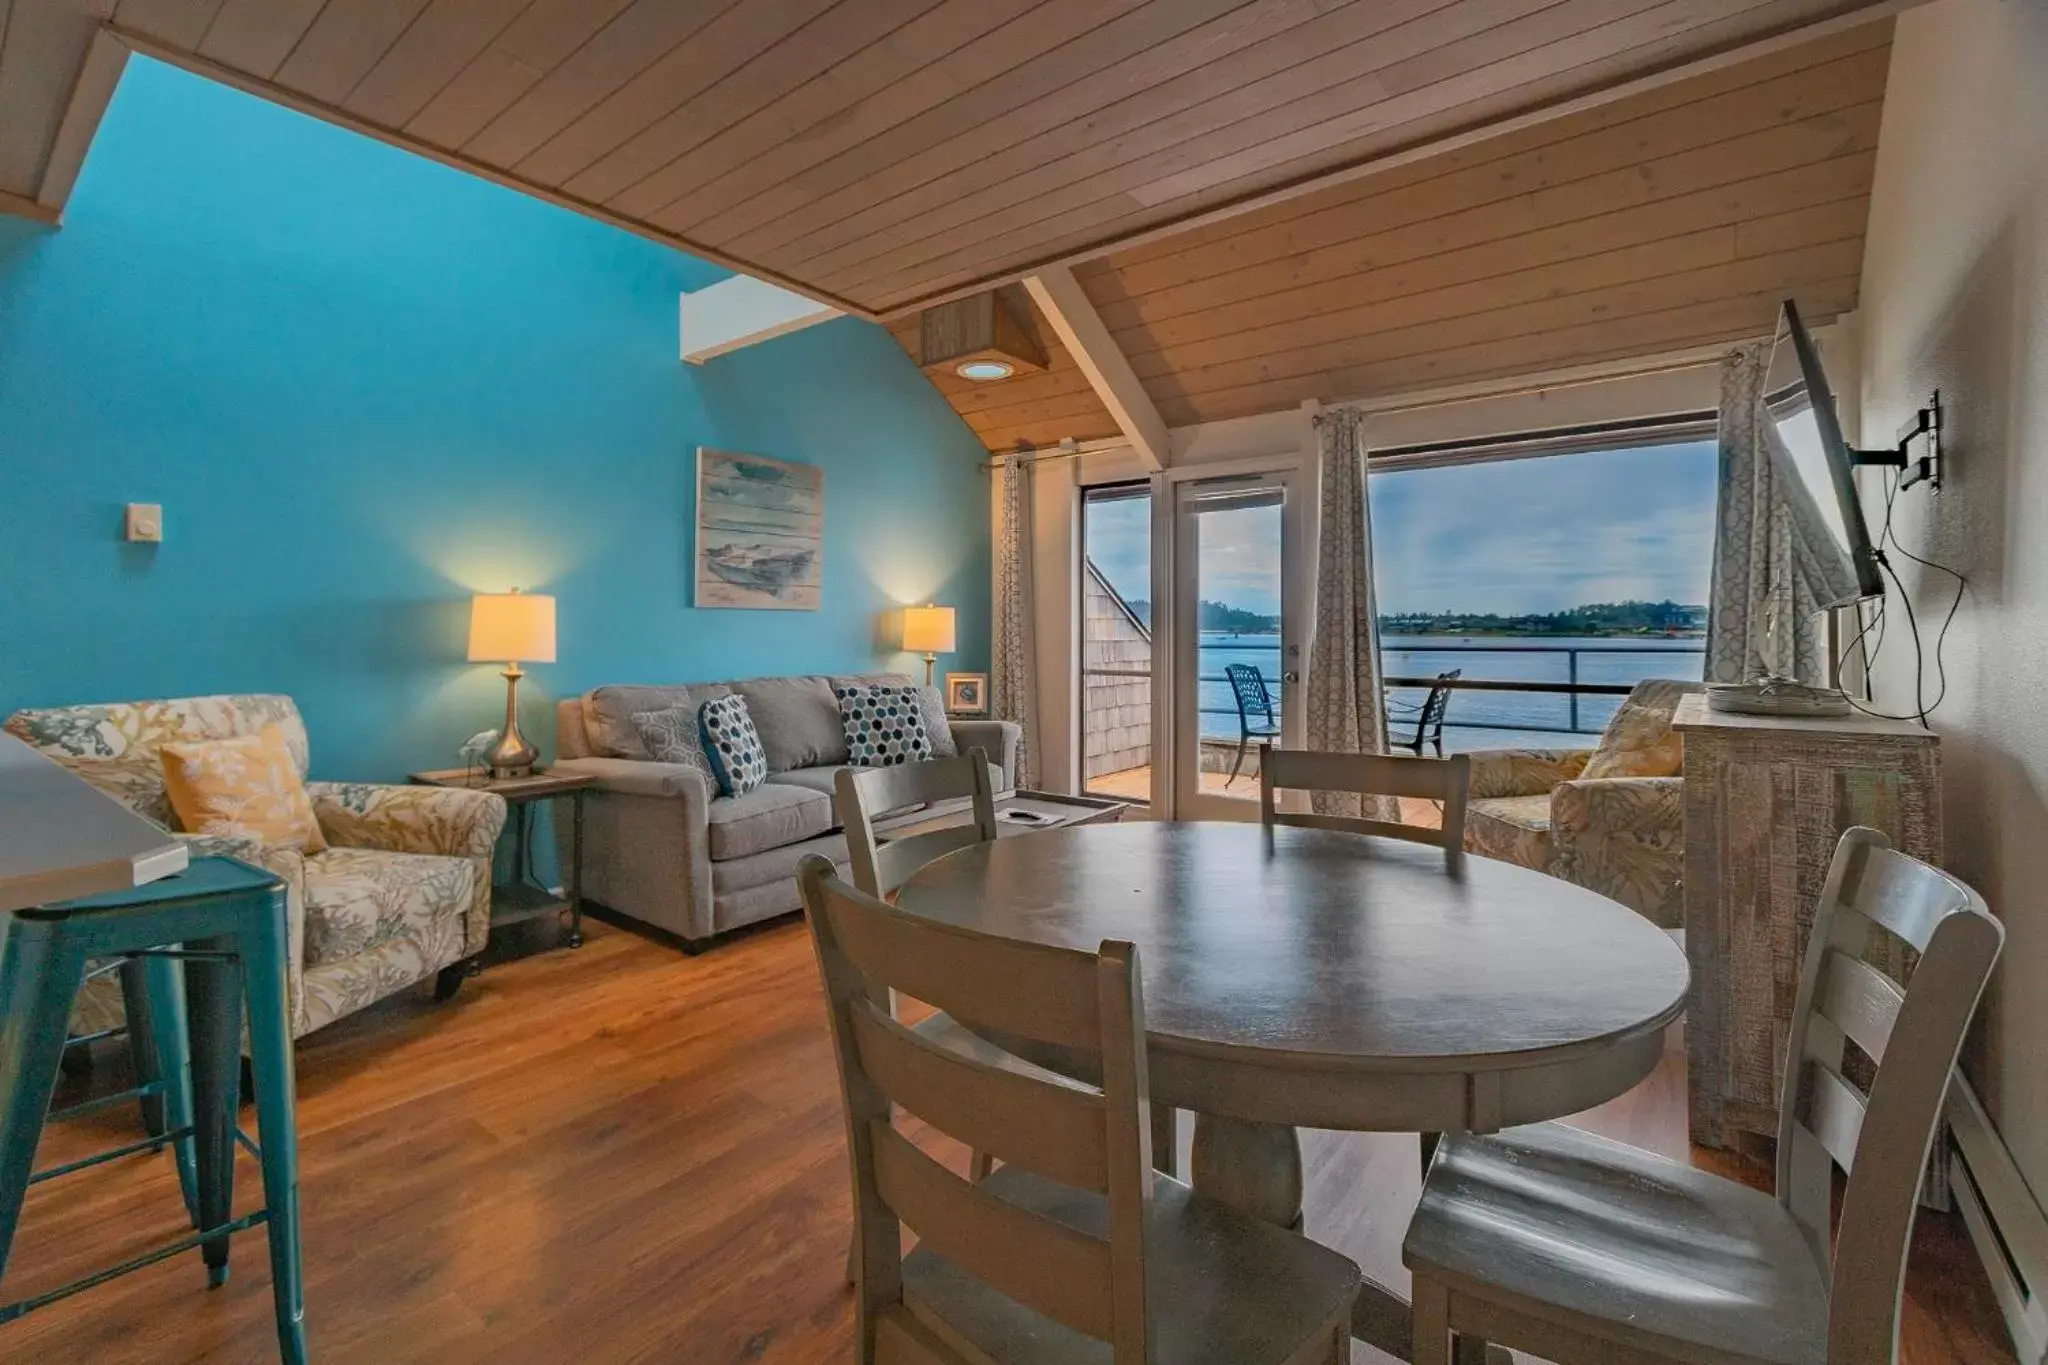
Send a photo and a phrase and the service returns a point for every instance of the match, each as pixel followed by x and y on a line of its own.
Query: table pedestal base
pixel 1255 1168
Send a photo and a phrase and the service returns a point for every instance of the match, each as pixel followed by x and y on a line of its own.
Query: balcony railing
pixel 1582 667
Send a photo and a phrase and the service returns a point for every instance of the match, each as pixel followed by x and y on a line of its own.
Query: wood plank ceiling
pixel 884 154
pixel 1674 219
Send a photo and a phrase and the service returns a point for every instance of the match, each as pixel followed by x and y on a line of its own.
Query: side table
pixel 524 897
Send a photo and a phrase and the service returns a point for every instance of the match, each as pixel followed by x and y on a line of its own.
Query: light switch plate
pixel 146 522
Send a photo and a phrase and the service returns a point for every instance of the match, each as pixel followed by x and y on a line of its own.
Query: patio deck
pixel 1135 784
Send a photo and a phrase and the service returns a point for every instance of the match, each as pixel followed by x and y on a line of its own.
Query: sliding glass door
pixel 1237 660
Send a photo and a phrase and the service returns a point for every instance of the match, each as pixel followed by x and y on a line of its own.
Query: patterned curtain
pixel 1775 561
pixel 1345 710
pixel 1010 688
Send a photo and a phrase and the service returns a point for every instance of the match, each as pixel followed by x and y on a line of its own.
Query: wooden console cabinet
pixel 1766 798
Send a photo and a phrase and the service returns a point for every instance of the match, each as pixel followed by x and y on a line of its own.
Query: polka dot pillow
pixel 884 724
pixel 733 745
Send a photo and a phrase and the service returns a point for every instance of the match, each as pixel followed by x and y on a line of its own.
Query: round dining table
pixel 1308 978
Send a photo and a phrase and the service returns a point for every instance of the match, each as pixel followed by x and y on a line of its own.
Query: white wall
pixel 1955 296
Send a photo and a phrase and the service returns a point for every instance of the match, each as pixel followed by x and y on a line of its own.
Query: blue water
pixel 1476 719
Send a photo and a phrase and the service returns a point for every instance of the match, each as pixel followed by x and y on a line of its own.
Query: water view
pixel 1585 568
pixel 1476 719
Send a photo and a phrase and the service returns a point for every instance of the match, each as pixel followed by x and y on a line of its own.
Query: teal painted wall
pixel 364 385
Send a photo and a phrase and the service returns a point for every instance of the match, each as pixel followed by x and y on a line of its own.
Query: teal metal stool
pixel 199 937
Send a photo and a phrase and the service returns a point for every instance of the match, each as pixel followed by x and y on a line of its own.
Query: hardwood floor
pixel 624 1154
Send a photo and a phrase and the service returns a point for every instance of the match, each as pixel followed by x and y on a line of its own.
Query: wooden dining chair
pixel 880 866
pixel 1074 1249
pixel 1576 1248
pixel 1442 780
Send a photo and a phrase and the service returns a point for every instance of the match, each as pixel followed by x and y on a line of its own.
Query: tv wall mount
pixel 1926 467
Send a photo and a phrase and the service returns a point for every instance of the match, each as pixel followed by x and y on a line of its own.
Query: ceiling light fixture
pixel 984 371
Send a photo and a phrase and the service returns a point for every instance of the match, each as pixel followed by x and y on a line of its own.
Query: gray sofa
pixel 662 847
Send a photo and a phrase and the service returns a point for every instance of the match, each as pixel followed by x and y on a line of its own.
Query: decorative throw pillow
pixel 673 735
pixel 1639 741
pixel 249 782
pixel 931 704
pixel 884 724
pixel 732 745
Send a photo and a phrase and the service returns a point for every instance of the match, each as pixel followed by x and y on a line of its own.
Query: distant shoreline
pixel 1644 634
pixel 1513 634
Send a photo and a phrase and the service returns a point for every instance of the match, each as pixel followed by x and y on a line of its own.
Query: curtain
pixel 1346 714
pixel 1010 688
pixel 1775 561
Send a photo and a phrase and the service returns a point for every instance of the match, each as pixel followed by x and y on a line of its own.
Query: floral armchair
pixel 1611 819
pixel 402 891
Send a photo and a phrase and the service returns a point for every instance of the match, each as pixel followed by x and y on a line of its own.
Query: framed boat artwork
pixel 760 531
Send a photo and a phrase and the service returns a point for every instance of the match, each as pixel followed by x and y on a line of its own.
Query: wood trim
pixel 98 76
pixel 27 208
pixel 270 90
pixel 1421 149
pixel 1060 297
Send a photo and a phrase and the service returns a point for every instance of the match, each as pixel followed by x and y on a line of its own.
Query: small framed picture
pixel 967 693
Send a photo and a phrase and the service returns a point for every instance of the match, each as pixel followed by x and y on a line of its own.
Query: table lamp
pixel 511 626
pixel 928 629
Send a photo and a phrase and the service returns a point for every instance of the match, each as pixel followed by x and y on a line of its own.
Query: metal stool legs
pixel 39 976
pixel 153 998
pixel 230 919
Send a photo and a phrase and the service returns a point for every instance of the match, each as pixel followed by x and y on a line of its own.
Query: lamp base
pixel 511 756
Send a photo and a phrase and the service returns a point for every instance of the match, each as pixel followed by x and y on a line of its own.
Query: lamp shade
pixel 928 629
pixel 512 627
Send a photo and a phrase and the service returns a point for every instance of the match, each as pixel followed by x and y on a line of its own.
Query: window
pixel 1116 640
pixel 1581 570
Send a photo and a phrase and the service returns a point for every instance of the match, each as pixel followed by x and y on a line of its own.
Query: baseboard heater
pixel 2005 1220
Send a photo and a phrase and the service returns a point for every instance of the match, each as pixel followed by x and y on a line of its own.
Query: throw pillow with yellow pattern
pixel 248 782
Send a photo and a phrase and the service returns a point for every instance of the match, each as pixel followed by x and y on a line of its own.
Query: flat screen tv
pixel 1799 409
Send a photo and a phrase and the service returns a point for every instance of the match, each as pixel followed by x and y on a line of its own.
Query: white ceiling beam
pixel 1067 307
pixel 91 92
pixel 741 312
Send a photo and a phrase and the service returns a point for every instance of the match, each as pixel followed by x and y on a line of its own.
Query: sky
pixel 1512 536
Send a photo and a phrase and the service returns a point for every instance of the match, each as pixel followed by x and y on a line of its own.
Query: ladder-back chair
pixel 1073 1249
pixel 1572 1247
pixel 1442 780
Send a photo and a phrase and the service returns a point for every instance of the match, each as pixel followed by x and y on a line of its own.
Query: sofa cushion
pixel 767 817
pixel 883 725
pixel 1639 741
pixel 798 719
pixel 360 898
pixel 608 713
pixel 248 783
pixel 931 704
pixel 733 745
pixel 774 864
pixel 1514 829
pixel 826 780
pixel 675 735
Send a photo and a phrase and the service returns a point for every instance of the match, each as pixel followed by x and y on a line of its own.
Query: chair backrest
pixel 1082 1136
pixel 1444 780
pixel 1248 685
pixel 114 745
pixel 1429 721
pixel 1881 1137
pixel 864 793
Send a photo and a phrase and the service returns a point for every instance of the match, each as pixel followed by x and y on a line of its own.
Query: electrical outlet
pixel 146 522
